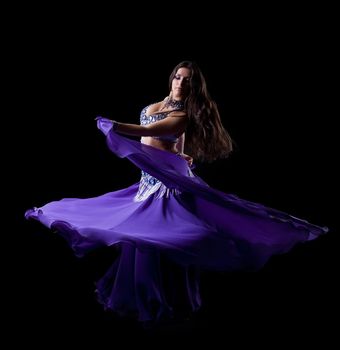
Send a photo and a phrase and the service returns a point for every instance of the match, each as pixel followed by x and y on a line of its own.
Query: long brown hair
pixel 205 137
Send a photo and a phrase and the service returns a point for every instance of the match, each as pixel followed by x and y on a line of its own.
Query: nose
pixel 181 82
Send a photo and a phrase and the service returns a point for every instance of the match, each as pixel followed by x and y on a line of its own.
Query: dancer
pixel 171 224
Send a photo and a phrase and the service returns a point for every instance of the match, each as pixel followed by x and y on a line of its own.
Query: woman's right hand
pixel 114 123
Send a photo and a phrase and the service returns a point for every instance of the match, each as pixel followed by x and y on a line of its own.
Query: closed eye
pixel 178 77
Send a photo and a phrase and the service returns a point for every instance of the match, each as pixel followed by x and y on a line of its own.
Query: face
pixel 181 84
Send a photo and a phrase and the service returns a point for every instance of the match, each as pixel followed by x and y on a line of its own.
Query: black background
pixel 272 80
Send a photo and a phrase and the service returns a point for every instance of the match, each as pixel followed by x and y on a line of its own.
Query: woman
pixel 171 224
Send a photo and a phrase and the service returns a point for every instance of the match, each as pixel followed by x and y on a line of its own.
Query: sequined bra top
pixel 149 119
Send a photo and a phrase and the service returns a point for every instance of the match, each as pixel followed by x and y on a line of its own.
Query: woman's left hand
pixel 188 158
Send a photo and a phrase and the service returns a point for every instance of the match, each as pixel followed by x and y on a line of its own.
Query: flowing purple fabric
pixel 183 219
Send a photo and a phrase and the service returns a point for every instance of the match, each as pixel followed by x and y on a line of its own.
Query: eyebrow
pixel 178 74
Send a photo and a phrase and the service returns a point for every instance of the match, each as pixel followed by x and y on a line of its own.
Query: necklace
pixel 174 104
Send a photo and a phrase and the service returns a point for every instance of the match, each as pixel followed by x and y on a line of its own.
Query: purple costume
pixel 172 214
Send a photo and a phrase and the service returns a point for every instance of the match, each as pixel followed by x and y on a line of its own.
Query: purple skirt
pixel 170 213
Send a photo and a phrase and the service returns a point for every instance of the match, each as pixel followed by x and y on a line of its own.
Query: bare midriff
pixel 160 144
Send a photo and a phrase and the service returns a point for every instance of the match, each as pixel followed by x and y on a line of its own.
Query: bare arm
pixel 171 125
pixel 180 143
pixel 180 148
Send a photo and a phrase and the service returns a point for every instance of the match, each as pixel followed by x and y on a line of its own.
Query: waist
pixel 160 144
